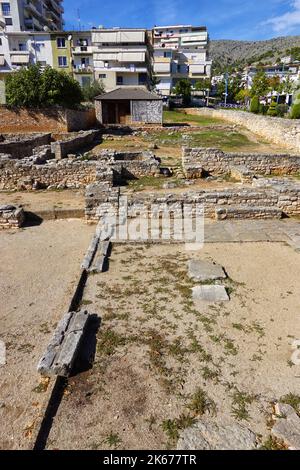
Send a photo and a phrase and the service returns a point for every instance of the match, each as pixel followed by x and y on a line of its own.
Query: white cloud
pixel 288 21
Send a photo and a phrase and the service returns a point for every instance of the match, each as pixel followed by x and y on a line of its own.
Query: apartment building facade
pixel 32 15
pixel 179 52
pixel 284 71
pixel 121 57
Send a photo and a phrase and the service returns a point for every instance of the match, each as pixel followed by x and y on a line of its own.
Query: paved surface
pixel 287 230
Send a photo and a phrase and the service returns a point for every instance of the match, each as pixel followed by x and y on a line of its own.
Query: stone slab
pixel 209 435
pixel 210 293
pixel 201 270
pixel 287 426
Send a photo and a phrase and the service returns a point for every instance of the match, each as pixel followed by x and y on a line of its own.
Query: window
pixel 0 42
pixel 119 80
pixel 168 55
pixel 85 81
pixel 5 9
pixel 8 21
pixel 102 76
pixel 61 43
pixel 85 61
pixel 62 61
pixel 22 47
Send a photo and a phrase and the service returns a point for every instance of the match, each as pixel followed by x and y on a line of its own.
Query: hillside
pixel 238 53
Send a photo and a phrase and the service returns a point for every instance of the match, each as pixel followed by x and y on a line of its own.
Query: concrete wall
pixel 21 120
pixel 285 132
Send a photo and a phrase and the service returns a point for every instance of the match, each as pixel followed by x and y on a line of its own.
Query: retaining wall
pixel 20 147
pixel 216 162
pixel 21 120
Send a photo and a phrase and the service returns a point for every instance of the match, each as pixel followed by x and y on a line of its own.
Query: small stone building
pixel 129 105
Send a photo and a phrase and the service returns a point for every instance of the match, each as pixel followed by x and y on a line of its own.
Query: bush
pixel 263 109
pixel 282 109
pixel 295 113
pixel 254 105
pixel 272 111
pixel 33 87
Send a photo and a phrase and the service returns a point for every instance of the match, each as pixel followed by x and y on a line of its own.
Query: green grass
pixel 182 117
pixel 172 427
pixel 292 400
pixel 207 138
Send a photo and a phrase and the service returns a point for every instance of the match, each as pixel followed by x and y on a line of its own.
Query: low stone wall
pixel 21 120
pixel 129 165
pixel 11 216
pixel 285 132
pixel 62 148
pixel 23 146
pixel 23 175
pixel 216 162
pixel 256 202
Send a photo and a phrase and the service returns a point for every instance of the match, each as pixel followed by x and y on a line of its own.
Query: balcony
pixel 30 6
pixel 162 67
pixel 19 57
pixel 83 69
pixel 82 50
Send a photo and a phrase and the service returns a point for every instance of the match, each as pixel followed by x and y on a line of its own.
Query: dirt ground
pixel 38 272
pixel 35 201
pixel 162 361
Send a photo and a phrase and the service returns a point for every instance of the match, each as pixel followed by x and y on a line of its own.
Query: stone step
pixel 247 212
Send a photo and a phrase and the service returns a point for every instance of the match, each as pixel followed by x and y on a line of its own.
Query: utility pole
pixel 226 87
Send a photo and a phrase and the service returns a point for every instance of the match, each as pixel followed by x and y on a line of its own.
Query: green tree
pixel 23 87
pixel 92 90
pixel 272 111
pixel 203 84
pixel 260 84
pixel 243 96
pixel 183 88
pixel 234 85
pixel 33 87
pixel 254 105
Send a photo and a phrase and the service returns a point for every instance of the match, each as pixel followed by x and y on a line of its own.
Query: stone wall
pixel 67 173
pixel 256 202
pixel 285 132
pixel 216 162
pixel 129 165
pixel 23 146
pixel 83 139
pixel 23 120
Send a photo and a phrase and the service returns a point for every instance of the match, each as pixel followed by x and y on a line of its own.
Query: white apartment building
pixel 32 15
pixel 179 52
pixel 121 57
pixel 82 56
pixel 21 49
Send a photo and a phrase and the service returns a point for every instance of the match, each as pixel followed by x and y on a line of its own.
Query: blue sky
pixel 225 19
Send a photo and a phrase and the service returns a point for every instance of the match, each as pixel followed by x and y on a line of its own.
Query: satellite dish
pixel 70 37
pixel 46 29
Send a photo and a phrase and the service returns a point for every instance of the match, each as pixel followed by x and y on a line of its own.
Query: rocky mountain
pixel 240 53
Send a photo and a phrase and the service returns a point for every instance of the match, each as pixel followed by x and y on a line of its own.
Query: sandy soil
pixel 162 361
pixel 35 201
pixel 38 271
